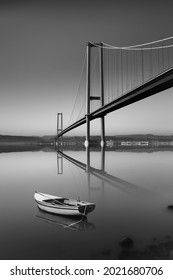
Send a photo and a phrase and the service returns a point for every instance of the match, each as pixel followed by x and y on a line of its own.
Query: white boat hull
pixel 59 211
pixel 53 204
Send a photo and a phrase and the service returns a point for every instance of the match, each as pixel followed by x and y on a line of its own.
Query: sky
pixel 43 44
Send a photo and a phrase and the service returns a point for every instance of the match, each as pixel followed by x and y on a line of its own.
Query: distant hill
pixel 141 137
pixel 81 139
pixel 115 137
pixel 21 140
pixel 18 138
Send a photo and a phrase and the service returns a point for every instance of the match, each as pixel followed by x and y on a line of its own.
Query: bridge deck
pixel 149 88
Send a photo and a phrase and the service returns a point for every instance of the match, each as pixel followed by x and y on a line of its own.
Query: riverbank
pixel 145 143
pixel 22 143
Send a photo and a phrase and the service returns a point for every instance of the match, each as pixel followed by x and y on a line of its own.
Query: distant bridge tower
pixel 88 95
pixel 59 128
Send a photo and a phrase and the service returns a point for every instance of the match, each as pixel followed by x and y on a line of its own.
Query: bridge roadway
pixel 149 88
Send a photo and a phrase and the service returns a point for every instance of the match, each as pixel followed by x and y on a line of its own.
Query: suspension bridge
pixel 113 77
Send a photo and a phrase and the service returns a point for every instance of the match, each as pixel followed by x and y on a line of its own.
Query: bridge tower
pixel 89 98
pixel 59 128
pixel 102 96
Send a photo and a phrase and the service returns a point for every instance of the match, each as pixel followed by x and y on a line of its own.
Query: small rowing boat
pixel 62 206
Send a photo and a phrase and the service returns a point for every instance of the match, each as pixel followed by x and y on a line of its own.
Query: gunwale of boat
pixel 58 200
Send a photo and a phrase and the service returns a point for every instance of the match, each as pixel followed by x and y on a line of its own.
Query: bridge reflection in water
pixel 101 174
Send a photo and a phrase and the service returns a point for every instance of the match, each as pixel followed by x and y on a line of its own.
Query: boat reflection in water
pixel 67 222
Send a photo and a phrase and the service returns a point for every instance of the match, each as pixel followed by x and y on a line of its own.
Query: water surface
pixel 131 202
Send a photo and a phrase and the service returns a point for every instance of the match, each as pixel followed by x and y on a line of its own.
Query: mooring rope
pixel 83 216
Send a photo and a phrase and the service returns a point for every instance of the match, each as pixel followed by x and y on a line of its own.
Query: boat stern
pixel 85 209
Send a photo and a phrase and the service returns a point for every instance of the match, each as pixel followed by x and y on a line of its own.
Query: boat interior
pixel 55 201
pixel 59 201
pixel 63 201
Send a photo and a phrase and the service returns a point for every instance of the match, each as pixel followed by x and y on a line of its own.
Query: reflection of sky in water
pixel 131 203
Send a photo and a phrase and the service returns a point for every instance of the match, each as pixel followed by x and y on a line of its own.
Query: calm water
pixel 132 202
